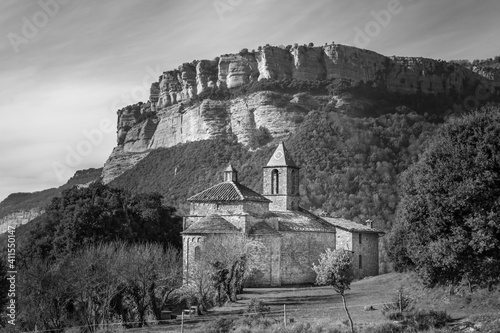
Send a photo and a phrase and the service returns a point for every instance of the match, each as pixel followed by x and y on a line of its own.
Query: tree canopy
pixel 335 269
pixel 448 219
pixel 99 213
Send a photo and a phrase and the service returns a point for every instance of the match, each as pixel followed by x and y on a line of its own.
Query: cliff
pixel 208 99
pixel 18 218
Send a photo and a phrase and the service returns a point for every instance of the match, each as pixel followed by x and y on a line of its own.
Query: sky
pixel 66 66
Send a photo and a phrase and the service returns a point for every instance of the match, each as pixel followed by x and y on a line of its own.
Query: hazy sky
pixel 65 67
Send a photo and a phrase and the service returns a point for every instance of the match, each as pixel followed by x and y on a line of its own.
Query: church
pixel 292 237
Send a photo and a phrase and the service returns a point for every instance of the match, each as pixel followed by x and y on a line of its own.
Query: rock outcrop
pixel 119 162
pixel 18 218
pixel 179 116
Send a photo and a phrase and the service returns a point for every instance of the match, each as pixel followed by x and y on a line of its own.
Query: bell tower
pixel 281 181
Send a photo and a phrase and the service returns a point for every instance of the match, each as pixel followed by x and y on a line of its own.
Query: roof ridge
pixel 238 188
pixel 228 191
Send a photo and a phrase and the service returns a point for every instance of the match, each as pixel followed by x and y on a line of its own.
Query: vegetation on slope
pixel 96 214
pixel 448 225
pixel 349 166
pixel 27 201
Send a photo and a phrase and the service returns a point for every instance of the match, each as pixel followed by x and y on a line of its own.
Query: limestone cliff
pixel 18 218
pixel 119 162
pixel 179 111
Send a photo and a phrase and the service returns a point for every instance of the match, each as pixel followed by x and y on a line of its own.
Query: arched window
pixel 275 182
pixel 197 253
pixel 294 189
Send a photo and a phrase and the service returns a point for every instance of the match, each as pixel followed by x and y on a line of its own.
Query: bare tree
pixel 150 274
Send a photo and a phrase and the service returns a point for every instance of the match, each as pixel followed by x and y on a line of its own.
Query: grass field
pixel 313 304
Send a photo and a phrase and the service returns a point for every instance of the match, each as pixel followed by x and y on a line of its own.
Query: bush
pixel 260 137
pixel 384 328
pixel 424 320
pixel 323 326
pixel 222 325
pixel 257 306
pixel 401 304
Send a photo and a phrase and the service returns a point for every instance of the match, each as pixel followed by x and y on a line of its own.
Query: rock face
pixel 179 117
pixel 119 162
pixel 242 116
pixel 138 137
pixel 489 73
pixel 18 218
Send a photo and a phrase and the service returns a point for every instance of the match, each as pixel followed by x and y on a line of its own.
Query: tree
pixel 4 291
pixel 335 269
pixel 95 285
pixel 448 219
pixel 45 297
pixel 149 275
pixel 101 213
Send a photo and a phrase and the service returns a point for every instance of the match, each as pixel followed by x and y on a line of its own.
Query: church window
pixel 360 238
pixel 197 253
pixel 275 183
pixel 360 262
pixel 295 182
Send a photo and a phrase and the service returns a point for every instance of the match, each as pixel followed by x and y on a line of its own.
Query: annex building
pixel 293 237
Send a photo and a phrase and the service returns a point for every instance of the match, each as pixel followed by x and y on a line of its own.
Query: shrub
pixel 260 137
pixel 297 119
pixel 401 304
pixel 222 325
pixel 424 320
pixel 257 306
pixel 384 328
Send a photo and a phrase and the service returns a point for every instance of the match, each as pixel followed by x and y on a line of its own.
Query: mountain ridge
pixel 255 98
pixel 273 88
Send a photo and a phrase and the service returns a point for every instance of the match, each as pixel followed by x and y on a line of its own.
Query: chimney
pixel 369 223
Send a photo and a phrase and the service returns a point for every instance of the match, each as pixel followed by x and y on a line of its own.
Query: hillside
pixel 19 208
pixel 273 88
pixel 354 120
pixel 360 158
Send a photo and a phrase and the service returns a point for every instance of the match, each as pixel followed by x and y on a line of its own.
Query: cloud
pixel 77 69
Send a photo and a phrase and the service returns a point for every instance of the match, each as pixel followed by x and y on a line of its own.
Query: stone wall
pixel 344 239
pixel 189 244
pixel 265 262
pixel 234 208
pixel 368 249
pixel 299 250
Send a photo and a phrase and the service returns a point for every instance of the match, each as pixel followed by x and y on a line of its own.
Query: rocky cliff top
pixel 262 95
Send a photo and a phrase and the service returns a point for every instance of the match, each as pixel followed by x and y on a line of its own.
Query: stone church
pixel 293 237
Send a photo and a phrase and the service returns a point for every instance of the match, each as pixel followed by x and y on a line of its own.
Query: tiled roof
pixel 262 229
pixel 301 220
pixel 281 157
pixel 351 226
pixel 211 224
pixel 228 191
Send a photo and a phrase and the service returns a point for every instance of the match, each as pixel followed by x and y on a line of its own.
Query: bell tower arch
pixel 281 181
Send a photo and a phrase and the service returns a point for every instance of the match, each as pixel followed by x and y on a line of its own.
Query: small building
pixel 293 237
pixel 363 241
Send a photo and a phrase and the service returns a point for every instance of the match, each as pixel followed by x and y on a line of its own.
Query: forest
pixel 349 166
